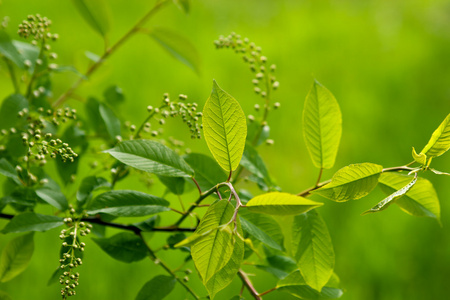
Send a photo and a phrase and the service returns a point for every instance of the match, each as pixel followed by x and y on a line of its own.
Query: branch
pixel 110 51
pixel 248 284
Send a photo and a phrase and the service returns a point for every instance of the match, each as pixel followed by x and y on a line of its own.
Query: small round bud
pixel 275 85
pixel 269 142
pixel 256 107
pixel 149 108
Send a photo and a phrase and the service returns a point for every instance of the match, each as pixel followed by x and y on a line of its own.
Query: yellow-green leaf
pixel 277 203
pixel 322 125
pixel 439 142
pixel 16 256
pixel 352 182
pixel 225 128
pixel 419 158
pixel 95 13
pixel 420 201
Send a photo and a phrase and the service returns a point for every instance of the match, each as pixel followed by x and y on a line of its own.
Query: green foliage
pixel 439 142
pixel 225 128
pixel 16 256
pixel 8 50
pixel 30 221
pixel 322 125
pixel 157 288
pixel 96 14
pixel 124 246
pixel 276 203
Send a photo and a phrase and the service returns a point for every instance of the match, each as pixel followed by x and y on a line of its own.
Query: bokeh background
pixel 388 64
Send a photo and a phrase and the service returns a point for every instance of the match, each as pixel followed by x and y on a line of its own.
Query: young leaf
pixel 382 205
pixel 53 197
pixel 419 158
pixel 157 288
pixel 11 106
pixel 95 13
pixel 8 50
pixel 313 249
pixel 225 128
pixel 112 123
pixel 322 125
pixel 421 200
pixel 277 203
pixel 152 157
pixel 439 142
pixel 15 256
pixel 127 203
pixel 296 285
pixel 218 255
pixel 207 172
pixel 30 221
pixel 258 234
pixel 125 246
pixel 352 182
pixel 177 46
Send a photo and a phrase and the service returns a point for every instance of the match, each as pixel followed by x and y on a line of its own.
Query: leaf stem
pixel 198 187
pixel 268 291
pixel 246 281
pixel 319 177
pixel 111 50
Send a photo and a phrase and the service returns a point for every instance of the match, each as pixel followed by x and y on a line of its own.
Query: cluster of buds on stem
pixel 72 252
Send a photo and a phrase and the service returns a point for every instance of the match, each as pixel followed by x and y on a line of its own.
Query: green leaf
pixel 125 246
pixel 95 13
pixel 283 263
pixel 253 128
pixel 322 125
pixel 112 123
pixel 53 197
pixel 29 52
pixel 224 127
pixel 55 277
pixel 8 50
pixel 157 288
pixel 30 221
pixel 421 200
pixel 183 5
pixel 258 234
pixel 218 255
pixel 152 157
pixel 148 224
pixel 439 142
pixel 92 56
pixel 177 46
pixel 174 184
pixel 4 296
pixel 312 249
pixel 114 95
pixel 255 165
pixel 89 185
pixel 352 182
pixel 15 256
pixel 296 285
pixel 8 170
pixel 9 110
pixel 419 158
pixel 71 69
pixel 127 203
pixel 207 172
pixel 386 202
pixel 277 203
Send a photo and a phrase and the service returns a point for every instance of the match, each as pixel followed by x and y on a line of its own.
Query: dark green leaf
pixel 127 203
pixel 174 184
pixel 112 123
pixel 125 246
pixel 53 197
pixel 8 170
pixel 148 224
pixel 8 50
pixel 9 110
pixel 89 185
pixel 4 296
pixel 152 157
pixel 114 95
pixel 30 221
pixel 157 288
pixel 255 165
pixel 207 172
pixel 55 276
pixel 95 13
pixel 263 228
pixel 15 256
pixel 177 46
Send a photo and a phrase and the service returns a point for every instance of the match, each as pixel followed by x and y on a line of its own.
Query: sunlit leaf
pixel 439 142
pixel 112 123
pixel 30 221
pixel 152 157
pixel 313 249
pixel 127 203
pixel 255 165
pixel 16 256
pixel 95 13
pixel 322 125
pixel 352 182
pixel 277 203
pixel 258 233
pixel 125 246
pixel 157 288
pixel 225 128
pixel 177 46
pixel 419 158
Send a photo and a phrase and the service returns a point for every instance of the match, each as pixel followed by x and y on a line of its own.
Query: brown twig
pixel 248 284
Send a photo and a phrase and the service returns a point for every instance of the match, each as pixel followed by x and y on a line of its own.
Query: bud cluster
pixel 264 80
pixel 71 253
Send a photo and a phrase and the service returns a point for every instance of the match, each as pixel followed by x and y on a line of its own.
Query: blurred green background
pixel 388 64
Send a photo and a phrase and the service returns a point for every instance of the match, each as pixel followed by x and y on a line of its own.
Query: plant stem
pixel 319 177
pixel 246 281
pixel 158 261
pixel 111 50
pixel 268 291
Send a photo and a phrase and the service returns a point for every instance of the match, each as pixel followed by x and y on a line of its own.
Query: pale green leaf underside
pixel 30 221
pixel 352 182
pixel 276 203
pixel 127 203
pixel 296 285
pixel 322 126
pixel 312 249
pixel 225 128
pixel 15 256
pixel 152 157
pixel 420 201
pixel 439 142
pixel 95 13
pixel 218 255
